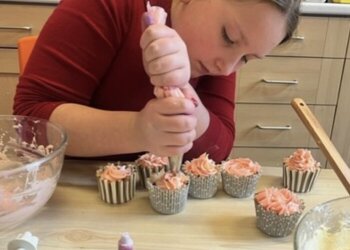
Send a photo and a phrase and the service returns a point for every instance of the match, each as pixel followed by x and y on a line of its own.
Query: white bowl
pixel 31 159
pixel 325 227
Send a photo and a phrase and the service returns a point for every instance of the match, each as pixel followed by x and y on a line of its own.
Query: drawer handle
pixel 298 38
pixel 286 127
pixel 8 47
pixel 27 28
pixel 280 81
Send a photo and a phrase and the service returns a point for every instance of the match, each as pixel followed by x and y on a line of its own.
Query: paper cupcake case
pixel 239 187
pixel 203 187
pixel 167 201
pixel 117 192
pixel 273 224
pixel 145 172
pixel 297 181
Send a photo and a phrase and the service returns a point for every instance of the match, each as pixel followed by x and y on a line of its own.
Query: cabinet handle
pixel 298 38
pixel 280 81
pixel 262 127
pixel 26 28
pixel 8 47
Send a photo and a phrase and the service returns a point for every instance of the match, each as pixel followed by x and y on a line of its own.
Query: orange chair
pixel 25 47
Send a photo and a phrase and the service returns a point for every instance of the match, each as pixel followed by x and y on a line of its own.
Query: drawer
pixel 273 80
pixel 318 37
pixel 18 20
pixel 274 121
pixel 341 130
pixel 9 61
pixel 273 157
pixel 8 83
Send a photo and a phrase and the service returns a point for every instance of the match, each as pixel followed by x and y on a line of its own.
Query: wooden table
pixel 76 218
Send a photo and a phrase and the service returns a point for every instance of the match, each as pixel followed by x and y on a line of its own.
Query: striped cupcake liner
pixel 203 187
pixel 166 201
pixel 146 172
pixel 117 192
pixel 273 224
pixel 239 187
pixel 297 181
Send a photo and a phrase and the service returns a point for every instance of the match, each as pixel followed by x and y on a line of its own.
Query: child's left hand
pixel 165 56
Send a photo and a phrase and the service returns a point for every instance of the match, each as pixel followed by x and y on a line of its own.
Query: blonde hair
pixel 291 9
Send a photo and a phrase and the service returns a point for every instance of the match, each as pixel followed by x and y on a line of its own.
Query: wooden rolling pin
pixel 323 141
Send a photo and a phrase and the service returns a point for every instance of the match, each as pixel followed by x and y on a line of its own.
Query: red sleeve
pixel 73 52
pixel 217 95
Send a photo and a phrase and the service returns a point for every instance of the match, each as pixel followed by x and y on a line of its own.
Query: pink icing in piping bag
pixel 157 15
pixel 125 242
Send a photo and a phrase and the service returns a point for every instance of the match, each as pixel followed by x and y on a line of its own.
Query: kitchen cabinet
pixel 309 66
pixel 341 131
pixel 16 21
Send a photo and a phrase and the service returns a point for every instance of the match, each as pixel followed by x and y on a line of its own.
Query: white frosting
pixel 325 239
pixel 23 191
pixel 42 190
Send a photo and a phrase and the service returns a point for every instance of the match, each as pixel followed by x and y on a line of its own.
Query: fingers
pixel 165 56
pixel 155 32
pixel 162 46
pixel 173 106
pixel 175 77
pixel 168 125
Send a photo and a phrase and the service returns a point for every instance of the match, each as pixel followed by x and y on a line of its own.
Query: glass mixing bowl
pixel 325 227
pixel 31 159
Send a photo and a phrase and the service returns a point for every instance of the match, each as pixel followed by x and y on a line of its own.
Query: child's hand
pixel 165 56
pixel 167 126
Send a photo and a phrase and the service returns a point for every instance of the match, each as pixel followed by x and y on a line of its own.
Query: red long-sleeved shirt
pixel 88 53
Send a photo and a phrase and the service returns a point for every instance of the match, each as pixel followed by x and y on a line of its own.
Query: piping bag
pixel 157 15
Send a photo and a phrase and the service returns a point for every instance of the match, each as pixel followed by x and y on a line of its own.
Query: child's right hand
pixel 165 56
pixel 167 126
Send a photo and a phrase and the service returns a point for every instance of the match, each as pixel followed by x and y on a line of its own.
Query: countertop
pixel 307 8
pixel 76 218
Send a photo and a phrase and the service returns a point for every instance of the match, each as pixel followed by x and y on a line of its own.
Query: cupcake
pixel 300 171
pixel 240 176
pixel 116 183
pixel 277 211
pixel 148 164
pixel 168 191
pixel 204 177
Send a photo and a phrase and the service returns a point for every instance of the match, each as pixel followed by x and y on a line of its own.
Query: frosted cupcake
pixel 168 192
pixel 300 171
pixel 116 183
pixel 240 176
pixel 148 164
pixel 204 175
pixel 277 211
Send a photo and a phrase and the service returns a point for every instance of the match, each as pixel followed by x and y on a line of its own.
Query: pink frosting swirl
pixel 241 167
pixel 301 160
pixel 172 181
pixel 113 172
pixel 150 160
pixel 282 201
pixel 201 166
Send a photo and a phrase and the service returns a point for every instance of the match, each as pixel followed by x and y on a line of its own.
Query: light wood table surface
pixel 76 218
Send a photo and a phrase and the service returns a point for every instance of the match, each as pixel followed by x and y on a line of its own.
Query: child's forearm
pixel 94 132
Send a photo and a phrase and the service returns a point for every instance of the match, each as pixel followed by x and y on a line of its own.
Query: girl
pixel 94 68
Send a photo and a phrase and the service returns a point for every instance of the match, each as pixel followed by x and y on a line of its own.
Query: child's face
pixel 221 35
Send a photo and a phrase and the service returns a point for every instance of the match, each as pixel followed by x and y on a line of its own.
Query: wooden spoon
pixel 323 141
